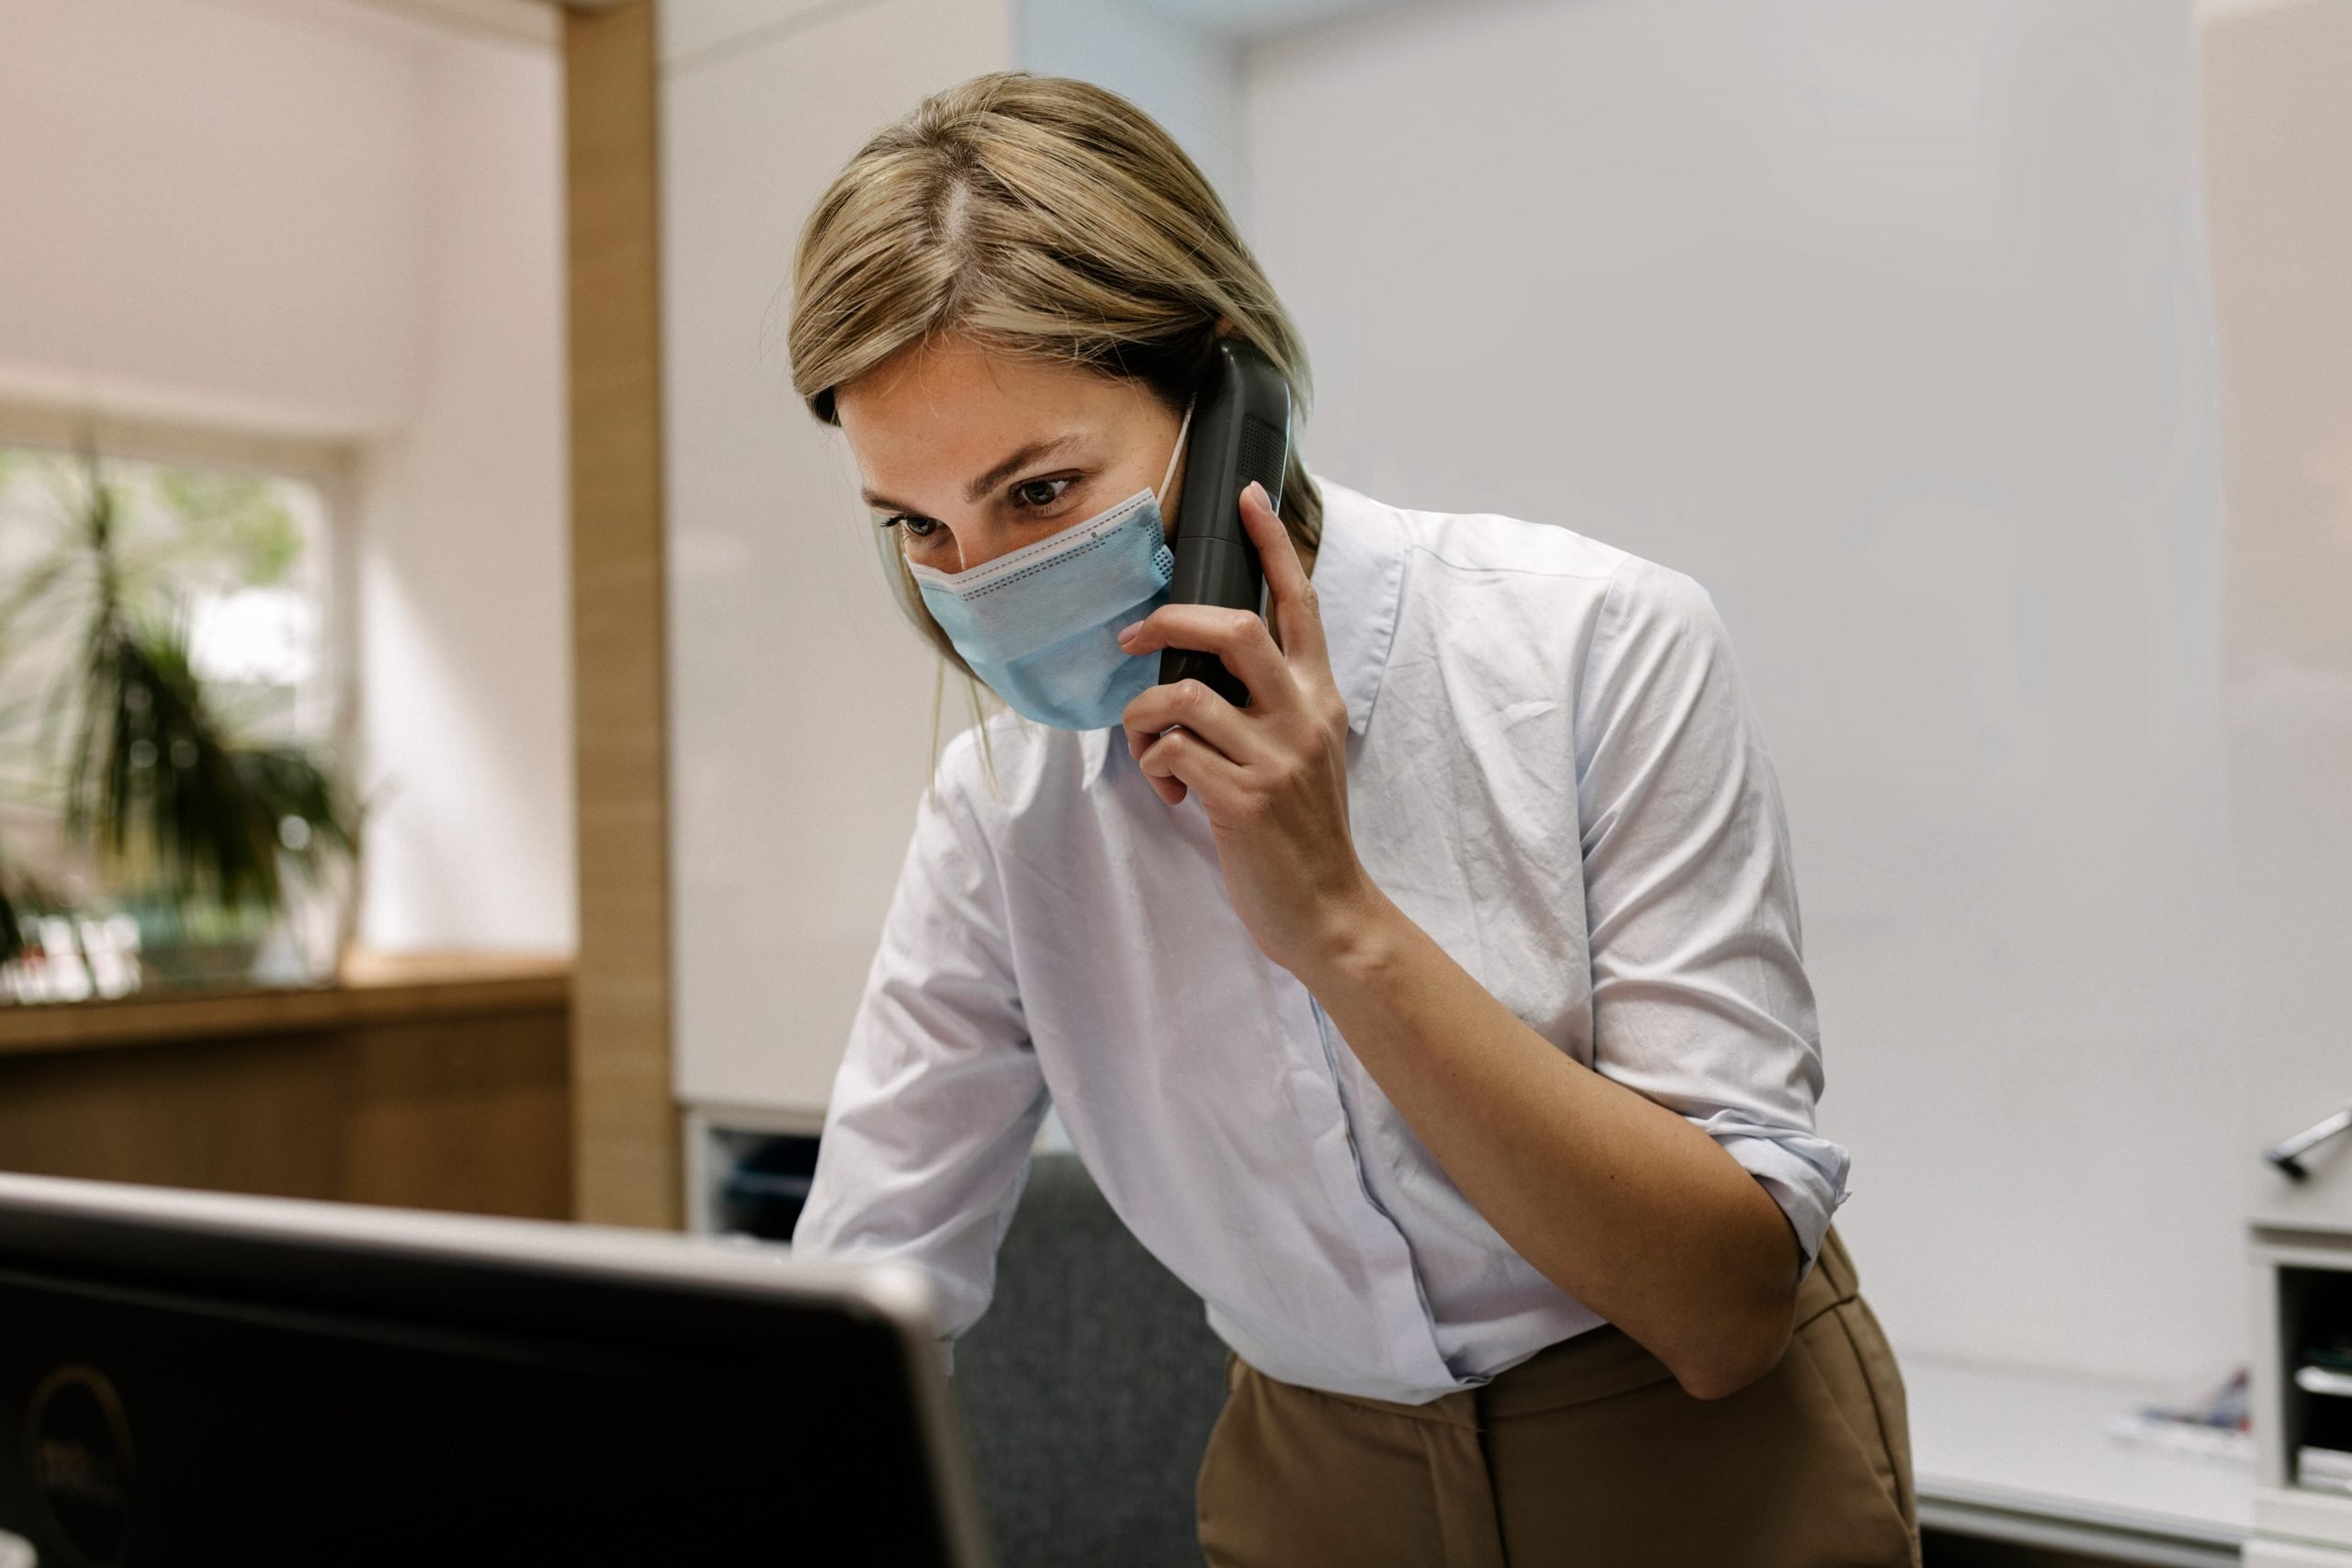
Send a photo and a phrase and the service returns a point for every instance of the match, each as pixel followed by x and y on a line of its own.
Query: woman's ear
pixel 1224 327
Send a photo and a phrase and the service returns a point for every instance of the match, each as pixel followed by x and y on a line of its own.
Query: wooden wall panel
pixel 460 1113
pixel 444 1117
pixel 626 1144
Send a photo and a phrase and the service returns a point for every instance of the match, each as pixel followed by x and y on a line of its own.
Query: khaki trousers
pixel 1589 1454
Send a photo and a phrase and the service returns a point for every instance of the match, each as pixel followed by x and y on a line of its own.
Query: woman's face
pixel 965 454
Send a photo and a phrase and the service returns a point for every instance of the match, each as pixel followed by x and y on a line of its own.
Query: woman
pixel 1438 1016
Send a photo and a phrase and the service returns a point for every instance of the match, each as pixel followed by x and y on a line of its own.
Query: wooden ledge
pixel 373 988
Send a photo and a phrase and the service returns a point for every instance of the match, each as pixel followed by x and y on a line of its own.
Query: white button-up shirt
pixel 1552 769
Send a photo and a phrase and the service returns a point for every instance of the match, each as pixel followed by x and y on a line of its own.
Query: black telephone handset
pixel 1241 432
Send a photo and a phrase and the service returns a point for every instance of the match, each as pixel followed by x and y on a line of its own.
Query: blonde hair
pixel 1041 217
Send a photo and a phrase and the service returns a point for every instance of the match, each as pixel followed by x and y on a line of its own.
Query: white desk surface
pixel 2025 1456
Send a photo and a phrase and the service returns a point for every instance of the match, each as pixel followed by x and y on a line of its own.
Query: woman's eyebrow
pixel 975 492
pixel 980 487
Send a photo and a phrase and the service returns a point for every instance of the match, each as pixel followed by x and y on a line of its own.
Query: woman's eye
pixel 1038 494
pixel 914 527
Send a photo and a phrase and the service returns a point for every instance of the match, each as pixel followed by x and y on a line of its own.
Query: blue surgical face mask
pixel 1041 624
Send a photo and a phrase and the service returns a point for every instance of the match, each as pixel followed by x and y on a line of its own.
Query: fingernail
pixel 1262 492
pixel 1129 630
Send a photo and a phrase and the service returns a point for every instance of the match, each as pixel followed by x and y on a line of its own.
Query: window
pixel 169 716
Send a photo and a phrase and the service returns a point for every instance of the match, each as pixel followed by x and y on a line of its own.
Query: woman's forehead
pixel 948 404
pixel 955 378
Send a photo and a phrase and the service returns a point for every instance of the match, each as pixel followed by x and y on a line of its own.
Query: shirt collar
pixel 1358 580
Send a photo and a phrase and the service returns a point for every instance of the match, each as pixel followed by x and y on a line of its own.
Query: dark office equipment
pixel 1241 432
pixel 1089 1388
pixel 188 1378
pixel 762 1182
pixel 2288 1153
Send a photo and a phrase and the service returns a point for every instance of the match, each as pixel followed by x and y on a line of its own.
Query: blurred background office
pixel 1989 360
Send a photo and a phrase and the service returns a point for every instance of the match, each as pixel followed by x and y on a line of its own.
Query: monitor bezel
pixel 111 1219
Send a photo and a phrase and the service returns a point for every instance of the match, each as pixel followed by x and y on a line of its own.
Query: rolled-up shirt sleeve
pixel 1700 999
pixel 938 1099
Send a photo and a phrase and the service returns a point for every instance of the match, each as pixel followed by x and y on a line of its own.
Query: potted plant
pixel 12 936
pixel 203 828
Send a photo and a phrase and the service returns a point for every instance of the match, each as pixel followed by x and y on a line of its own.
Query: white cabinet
pixel 2265 1553
pixel 2303 1303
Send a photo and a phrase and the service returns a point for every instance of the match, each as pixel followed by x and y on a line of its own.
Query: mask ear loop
pixel 1182 431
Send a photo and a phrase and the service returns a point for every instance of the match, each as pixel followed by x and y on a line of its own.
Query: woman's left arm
pixel 1628 1206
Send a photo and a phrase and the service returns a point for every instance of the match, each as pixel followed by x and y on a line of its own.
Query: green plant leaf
pixel 153 777
pixel 238 518
pixel 12 935
pixel 165 793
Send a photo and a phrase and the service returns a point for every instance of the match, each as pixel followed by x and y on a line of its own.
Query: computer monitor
pixel 192 1379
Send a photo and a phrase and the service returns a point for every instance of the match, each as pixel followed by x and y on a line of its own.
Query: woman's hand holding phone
pixel 1272 776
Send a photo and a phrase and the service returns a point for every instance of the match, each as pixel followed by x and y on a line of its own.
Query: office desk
pixel 2024 1457
pixel 419 1082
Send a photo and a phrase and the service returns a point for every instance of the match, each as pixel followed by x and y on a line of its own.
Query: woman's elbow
pixel 1732 1361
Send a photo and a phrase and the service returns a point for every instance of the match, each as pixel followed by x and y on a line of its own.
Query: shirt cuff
pixel 1804 1174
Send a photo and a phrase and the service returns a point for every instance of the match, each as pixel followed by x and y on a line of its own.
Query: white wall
pixel 1183 74
pixel 464 573
pixel 212 206
pixel 2280 135
pixel 800 700
pixel 800 703
pixel 1889 323
pixel 309 217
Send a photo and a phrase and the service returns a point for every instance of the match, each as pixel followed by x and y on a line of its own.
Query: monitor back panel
pixel 297 1406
